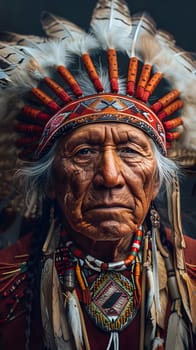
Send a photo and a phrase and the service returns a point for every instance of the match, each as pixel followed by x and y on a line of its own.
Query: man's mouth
pixel 108 206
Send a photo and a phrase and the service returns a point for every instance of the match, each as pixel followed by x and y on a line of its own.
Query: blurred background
pixel 174 16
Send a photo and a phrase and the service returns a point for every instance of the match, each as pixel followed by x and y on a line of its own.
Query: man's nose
pixel 109 172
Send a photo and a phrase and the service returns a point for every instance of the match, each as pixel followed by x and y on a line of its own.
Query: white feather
pixel 19 64
pixel 150 280
pixel 50 54
pixel 177 333
pixel 74 320
pixel 188 139
pixel 157 342
pixel 111 24
pixel 141 25
pixel 155 270
pixel 88 87
pixel 179 68
pixel 4 79
pixel 149 49
pixel 150 326
pixel 173 61
pixel 85 44
pixel 25 66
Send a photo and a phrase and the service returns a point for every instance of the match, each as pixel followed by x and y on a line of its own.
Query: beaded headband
pixel 39 74
pixel 103 108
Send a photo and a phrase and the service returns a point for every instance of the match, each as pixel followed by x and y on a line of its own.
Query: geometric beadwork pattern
pixel 112 307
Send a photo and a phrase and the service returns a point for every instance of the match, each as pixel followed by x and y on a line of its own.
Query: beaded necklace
pixel 70 262
pixel 111 298
pixel 98 265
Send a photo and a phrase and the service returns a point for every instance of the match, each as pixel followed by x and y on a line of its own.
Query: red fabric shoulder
pixel 20 247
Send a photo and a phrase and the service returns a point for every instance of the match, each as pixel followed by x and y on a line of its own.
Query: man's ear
pixel 156 186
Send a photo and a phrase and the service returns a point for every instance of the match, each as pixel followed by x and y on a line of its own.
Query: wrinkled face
pixel 104 178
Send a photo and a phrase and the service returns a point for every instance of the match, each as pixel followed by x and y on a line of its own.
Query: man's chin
pixel 109 230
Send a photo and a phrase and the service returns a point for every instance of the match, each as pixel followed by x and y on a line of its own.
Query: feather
pixel 4 78
pixel 163 292
pixel 180 56
pixel 150 280
pixel 150 327
pixel 157 343
pixel 113 341
pixel 53 314
pixel 77 41
pixel 188 140
pixel 111 24
pixel 60 326
pixel 158 48
pixel 19 65
pixel 50 55
pixel 177 333
pixel 85 44
pixel 46 306
pixel 165 38
pixel 13 55
pixel 142 25
pixel 15 60
pixel 25 65
pixel 21 40
pixel 74 320
pixel 155 270
pixel 174 62
pixel 58 28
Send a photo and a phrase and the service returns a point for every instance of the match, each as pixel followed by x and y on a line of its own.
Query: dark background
pixel 175 16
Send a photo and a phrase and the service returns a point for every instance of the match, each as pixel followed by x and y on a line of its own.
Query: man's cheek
pixel 72 209
pixel 79 182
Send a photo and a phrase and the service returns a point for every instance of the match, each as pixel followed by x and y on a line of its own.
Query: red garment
pixel 12 332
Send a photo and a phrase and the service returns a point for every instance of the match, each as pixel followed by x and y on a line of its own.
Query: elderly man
pixel 94 267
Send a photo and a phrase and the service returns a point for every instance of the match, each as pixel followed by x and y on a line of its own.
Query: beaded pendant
pixel 112 307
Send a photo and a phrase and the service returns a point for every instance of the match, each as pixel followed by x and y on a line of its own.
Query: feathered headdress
pixel 124 70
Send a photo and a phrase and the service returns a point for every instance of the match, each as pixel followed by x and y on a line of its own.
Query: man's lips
pixel 107 206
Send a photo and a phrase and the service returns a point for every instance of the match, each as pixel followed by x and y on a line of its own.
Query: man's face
pixel 104 178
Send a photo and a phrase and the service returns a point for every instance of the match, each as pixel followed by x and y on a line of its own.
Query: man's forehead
pixel 96 133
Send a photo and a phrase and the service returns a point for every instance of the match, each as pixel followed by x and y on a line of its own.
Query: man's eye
pixel 85 154
pixel 127 150
pixel 84 151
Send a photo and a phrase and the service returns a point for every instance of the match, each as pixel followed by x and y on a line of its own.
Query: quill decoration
pixel 111 25
pixel 26 65
pixel 76 40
